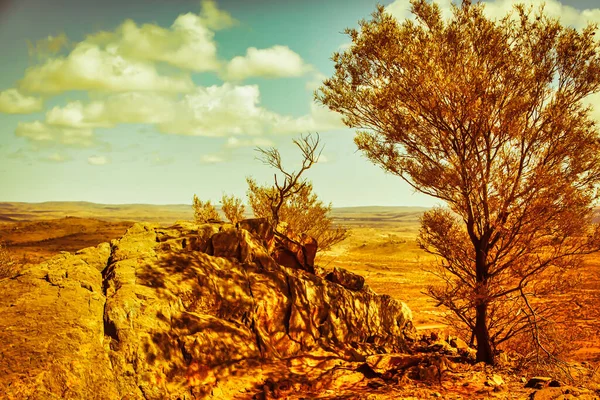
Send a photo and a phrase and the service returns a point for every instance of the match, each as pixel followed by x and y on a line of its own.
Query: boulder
pixel 181 312
pixel 538 382
pixel 52 330
pixel 384 363
pixel 296 252
pixel 347 279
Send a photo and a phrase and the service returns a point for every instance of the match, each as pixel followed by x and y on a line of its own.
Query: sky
pixel 151 101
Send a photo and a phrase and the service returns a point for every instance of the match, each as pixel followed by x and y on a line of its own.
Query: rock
pixel 183 311
pixel 563 393
pixel 458 343
pixel 495 381
pixel 52 331
pixel 260 227
pixel 428 373
pixel 347 279
pixel 443 347
pixel 383 363
pixel 96 257
pixel 296 252
pixel 538 382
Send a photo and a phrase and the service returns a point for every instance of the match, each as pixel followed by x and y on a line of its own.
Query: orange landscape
pixel 394 199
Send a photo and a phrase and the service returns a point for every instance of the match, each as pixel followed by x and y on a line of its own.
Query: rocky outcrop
pixel 51 330
pixel 182 312
pixel 347 279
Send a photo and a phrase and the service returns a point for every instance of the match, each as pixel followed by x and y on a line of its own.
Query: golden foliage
pixel 233 208
pixel 291 206
pixel 204 211
pixel 301 213
pixel 487 116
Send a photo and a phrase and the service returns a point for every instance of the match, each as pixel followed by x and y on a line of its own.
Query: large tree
pixel 489 117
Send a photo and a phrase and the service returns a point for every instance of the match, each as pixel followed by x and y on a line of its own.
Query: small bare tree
pixel 233 208
pixel 290 204
pixel 204 211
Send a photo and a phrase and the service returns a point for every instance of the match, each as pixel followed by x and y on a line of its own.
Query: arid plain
pixel 381 247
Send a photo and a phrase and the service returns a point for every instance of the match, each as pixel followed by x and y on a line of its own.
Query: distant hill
pixel 164 214
pixel 169 213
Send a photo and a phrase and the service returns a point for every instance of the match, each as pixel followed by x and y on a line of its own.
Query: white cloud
pixel 401 9
pixel 499 8
pixel 215 111
pixel 214 18
pixel 222 111
pixel 132 107
pixel 98 160
pixel 212 159
pixel 89 67
pixel 12 101
pixel 319 119
pixel 568 15
pixel 123 60
pixel 39 133
pixel 274 62
pixel 188 44
pixel 316 81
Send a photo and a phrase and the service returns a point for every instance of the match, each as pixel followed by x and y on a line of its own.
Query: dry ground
pixel 382 247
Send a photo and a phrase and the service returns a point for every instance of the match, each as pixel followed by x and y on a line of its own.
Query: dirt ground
pixel 382 247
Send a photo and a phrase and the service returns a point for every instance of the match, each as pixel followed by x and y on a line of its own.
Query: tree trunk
pixel 484 347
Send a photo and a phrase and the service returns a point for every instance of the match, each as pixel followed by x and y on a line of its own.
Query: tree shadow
pixel 214 312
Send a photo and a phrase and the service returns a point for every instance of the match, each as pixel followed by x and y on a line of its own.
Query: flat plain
pixel 381 247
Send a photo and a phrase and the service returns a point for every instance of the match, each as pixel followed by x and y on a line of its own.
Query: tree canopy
pixel 489 117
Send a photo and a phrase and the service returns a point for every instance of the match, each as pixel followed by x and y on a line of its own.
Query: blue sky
pixel 151 101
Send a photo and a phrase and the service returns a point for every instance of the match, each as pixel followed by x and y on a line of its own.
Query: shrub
pixel 233 208
pixel 204 211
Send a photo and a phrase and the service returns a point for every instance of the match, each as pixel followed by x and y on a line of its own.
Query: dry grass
pixel 389 258
pixel 7 265
pixel 382 247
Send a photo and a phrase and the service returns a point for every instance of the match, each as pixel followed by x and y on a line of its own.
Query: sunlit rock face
pixel 167 313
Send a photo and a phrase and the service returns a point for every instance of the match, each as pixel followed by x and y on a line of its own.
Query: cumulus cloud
pixel 499 8
pixel 214 18
pixel 216 111
pixel 188 44
pixel 566 14
pixel 222 111
pixel 132 107
pixel 274 62
pixel 319 119
pixel 98 160
pixel 42 134
pixel 12 101
pixel 124 59
pixel 89 67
